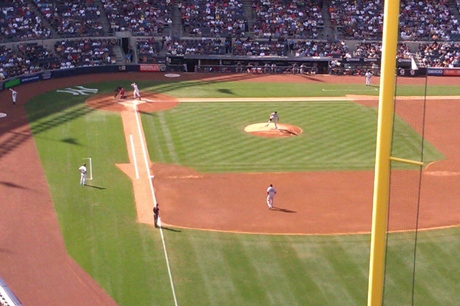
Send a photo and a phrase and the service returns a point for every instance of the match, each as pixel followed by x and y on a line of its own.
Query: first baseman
pixel 271 191
pixel 136 92
pixel 14 95
pixel 273 118
pixel 82 170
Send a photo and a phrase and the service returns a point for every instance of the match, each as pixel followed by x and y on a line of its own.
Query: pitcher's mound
pixel 284 130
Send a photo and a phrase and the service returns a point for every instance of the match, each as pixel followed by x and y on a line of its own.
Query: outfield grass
pixel 210 268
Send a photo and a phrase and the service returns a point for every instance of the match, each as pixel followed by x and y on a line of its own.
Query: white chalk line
pixel 134 156
pixel 146 161
pixel 90 168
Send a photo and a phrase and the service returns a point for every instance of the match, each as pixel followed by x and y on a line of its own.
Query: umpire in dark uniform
pixel 156 214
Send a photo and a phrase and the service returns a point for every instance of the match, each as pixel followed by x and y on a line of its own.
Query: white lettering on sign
pixel 78 90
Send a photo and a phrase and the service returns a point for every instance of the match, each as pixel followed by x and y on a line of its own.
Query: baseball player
pixel 273 118
pixel 136 91
pixel 270 195
pixel 120 91
pixel 82 170
pixel 368 76
pixel 14 95
pixel 156 214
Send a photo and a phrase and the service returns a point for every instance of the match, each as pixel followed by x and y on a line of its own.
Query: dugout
pixel 250 64
pixel 354 66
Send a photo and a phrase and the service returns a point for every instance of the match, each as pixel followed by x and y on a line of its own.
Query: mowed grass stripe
pixel 221 138
pixel 168 138
pixel 436 275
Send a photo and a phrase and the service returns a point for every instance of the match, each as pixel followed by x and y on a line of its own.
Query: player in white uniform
pixel 368 76
pixel 14 95
pixel 82 170
pixel 273 118
pixel 270 195
pixel 136 91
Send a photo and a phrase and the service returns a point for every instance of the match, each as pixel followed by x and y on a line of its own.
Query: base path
pixel 139 167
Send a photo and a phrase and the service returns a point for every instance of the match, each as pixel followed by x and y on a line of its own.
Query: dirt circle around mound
pixel 264 130
pixel 150 102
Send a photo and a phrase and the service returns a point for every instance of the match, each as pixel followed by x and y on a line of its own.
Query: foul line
pixel 134 156
pixel 154 201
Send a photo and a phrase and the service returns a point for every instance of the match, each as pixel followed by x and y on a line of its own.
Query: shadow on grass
pixel 170 229
pixel 96 187
pixel 287 131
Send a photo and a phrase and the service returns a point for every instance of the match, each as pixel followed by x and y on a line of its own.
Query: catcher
pixel 120 91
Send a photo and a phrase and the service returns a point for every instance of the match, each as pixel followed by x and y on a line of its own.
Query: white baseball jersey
pixel 14 94
pixel 82 169
pixel 274 116
pixel 271 191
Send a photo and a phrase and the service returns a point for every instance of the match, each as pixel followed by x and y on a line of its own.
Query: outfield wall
pixel 230 68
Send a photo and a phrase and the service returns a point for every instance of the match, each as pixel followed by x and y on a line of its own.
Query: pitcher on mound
pixel 273 118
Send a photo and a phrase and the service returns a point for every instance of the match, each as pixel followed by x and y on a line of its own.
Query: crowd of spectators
pixel 298 18
pixel 439 54
pixel 361 19
pixel 148 49
pixel 85 52
pixel 141 17
pixel 72 18
pixel 14 63
pixel 289 47
pixel 423 19
pixel 19 22
pixel 418 20
pixel 213 18
pixel 200 46
pixel 38 57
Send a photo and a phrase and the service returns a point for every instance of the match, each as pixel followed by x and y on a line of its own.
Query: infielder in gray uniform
pixel 14 95
pixel 368 76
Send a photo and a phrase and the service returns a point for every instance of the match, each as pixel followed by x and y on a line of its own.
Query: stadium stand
pixel 7 297
pixel 72 18
pixel 85 52
pixel 439 54
pixel 142 18
pixel 298 19
pixel 213 18
pixel 19 22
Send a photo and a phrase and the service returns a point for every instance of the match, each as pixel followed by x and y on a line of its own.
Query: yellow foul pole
pixel 382 162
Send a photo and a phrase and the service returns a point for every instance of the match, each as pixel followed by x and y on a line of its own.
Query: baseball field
pixel 197 144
